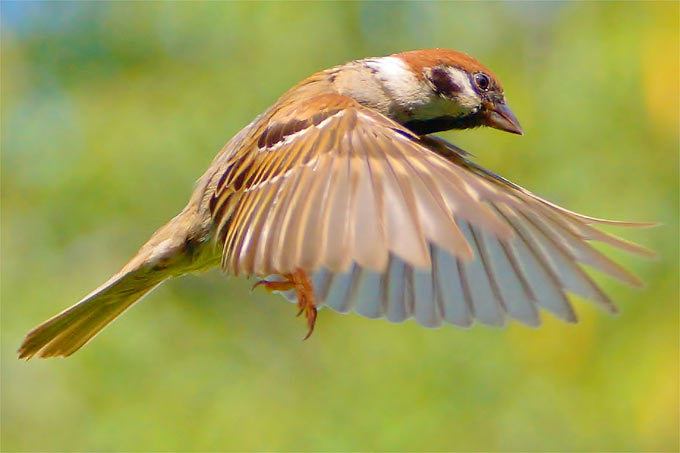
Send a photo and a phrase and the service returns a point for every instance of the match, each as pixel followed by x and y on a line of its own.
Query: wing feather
pixel 295 217
pixel 465 204
pixel 369 248
pixel 510 280
pixel 425 310
pixel 573 278
pixel 487 307
pixel 395 294
pixel 586 253
pixel 542 278
pixel 310 232
pixel 437 219
pixel 263 259
pixel 449 288
pixel 368 299
pixel 402 224
pixel 391 224
pixel 279 215
pixel 336 227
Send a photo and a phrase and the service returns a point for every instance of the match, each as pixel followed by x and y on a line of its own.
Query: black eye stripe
pixel 442 82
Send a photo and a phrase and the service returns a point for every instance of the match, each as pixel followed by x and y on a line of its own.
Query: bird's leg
pixel 300 282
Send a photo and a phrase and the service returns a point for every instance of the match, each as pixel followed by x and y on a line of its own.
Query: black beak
pixel 499 116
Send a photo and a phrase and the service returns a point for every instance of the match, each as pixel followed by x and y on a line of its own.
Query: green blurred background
pixel 110 112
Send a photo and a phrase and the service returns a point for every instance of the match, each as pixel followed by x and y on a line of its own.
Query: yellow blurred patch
pixel 557 347
pixel 660 60
pixel 657 412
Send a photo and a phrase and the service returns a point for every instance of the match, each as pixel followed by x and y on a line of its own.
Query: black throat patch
pixel 444 123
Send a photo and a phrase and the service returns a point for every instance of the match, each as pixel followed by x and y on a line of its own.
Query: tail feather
pixel 166 254
pixel 65 333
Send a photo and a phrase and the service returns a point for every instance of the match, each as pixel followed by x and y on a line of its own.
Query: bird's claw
pixel 311 321
pixel 299 282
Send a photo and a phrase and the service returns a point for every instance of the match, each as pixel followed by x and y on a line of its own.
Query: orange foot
pixel 298 281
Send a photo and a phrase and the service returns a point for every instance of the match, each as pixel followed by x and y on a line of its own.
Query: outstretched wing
pixel 396 225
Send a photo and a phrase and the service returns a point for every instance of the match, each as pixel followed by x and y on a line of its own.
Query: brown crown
pixel 418 60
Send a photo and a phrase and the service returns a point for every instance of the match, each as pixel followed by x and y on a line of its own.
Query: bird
pixel 339 195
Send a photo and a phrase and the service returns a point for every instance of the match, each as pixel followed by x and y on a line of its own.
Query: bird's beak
pixel 499 116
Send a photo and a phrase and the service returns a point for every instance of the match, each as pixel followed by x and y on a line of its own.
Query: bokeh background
pixel 110 111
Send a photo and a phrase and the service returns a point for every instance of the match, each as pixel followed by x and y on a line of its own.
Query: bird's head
pixel 439 89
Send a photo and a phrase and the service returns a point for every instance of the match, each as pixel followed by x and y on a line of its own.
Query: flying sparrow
pixel 338 195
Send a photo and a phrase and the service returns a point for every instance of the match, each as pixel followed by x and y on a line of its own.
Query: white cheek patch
pixel 467 97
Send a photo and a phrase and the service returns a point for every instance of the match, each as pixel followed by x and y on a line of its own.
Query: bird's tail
pixel 65 333
pixel 163 256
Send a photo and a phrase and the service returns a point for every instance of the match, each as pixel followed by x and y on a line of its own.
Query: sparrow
pixel 338 195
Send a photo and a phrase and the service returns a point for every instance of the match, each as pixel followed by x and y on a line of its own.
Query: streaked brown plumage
pixel 339 191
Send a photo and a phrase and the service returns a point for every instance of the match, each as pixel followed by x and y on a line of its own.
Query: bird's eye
pixel 482 81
